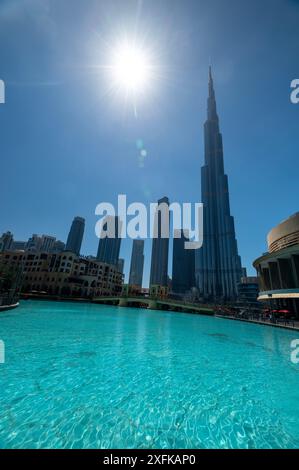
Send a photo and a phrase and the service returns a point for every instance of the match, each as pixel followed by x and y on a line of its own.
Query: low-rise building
pixel 64 274
pixel 157 291
pixel 131 290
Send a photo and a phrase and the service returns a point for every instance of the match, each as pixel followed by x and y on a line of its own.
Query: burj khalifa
pixel 218 264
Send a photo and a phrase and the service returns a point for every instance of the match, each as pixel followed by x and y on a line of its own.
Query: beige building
pixel 64 274
pixel 157 291
pixel 278 269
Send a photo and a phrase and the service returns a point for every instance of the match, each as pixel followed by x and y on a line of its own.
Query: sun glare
pixel 131 68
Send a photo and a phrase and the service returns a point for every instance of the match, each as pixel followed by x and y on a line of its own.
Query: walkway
pixel 281 324
pixel 8 307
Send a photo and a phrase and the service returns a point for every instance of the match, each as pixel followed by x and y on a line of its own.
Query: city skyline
pixel 149 229
pixel 81 150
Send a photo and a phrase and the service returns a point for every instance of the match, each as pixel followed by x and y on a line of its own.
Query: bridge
pixel 155 304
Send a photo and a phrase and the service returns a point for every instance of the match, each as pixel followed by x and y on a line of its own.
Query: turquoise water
pixel 91 376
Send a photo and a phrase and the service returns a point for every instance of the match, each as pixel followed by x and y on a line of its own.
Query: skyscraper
pixel 159 261
pixel 218 269
pixel 108 250
pixel 48 243
pixel 34 243
pixel 183 264
pixel 137 261
pixel 6 241
pixel 45 243
pixel 58 247
pixel 18 245
pixel 75 236
pixel 121 265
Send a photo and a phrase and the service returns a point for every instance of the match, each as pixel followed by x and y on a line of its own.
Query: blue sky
pixel 67 144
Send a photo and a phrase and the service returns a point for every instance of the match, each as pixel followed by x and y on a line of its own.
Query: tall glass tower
pixel 218 264
pixel 182 264
pixel 75 236
pixel 159 261
pixel 137 261
pixel 108 249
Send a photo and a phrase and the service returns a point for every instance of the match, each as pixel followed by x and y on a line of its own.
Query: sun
pixel 131 68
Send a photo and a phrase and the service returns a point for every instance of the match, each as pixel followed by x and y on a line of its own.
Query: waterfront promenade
pixel 290 325
pixel 8 307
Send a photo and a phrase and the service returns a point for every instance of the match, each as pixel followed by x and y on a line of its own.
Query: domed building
pixel 278 269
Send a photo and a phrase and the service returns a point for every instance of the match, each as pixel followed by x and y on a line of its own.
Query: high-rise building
pixel 75 236
pixel 109 247
pixel 244 272
pixel 183 264
pixel 137 262
pixel 34 243
pixel 159 261
pixel 58 246
pixel 47 243
pixel 218 269
pixel 248 291
pixel 6 241
pixel 120 265
pixel 44 243
pixel 18 245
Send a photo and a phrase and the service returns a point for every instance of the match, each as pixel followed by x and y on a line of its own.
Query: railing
pixel 258 317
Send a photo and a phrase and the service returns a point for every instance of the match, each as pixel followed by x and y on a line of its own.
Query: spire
pixel 212 113
pixel 210 73
pixel 211 84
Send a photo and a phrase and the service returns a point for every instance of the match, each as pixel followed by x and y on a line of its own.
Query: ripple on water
pixel 94 377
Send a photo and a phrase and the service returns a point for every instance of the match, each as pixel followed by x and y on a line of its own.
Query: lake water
pixel 94 376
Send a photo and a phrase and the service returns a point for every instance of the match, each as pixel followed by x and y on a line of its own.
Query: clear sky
pixel 67 142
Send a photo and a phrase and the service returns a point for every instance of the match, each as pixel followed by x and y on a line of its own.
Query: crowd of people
pixel 275 316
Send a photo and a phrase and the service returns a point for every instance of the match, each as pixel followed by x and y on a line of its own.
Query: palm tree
pixel 10 283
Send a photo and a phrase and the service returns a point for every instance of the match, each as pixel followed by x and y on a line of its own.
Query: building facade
pixel 278 269
pixel 218 264
pixel 75 236
pixel 160 246
pixel 63 274
pixel 34 243
pixel 137 263
pixel 44 243
pixel 183 265
pixel 58 246
pixel 18 245
pixel 47 243
pixel 248 291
